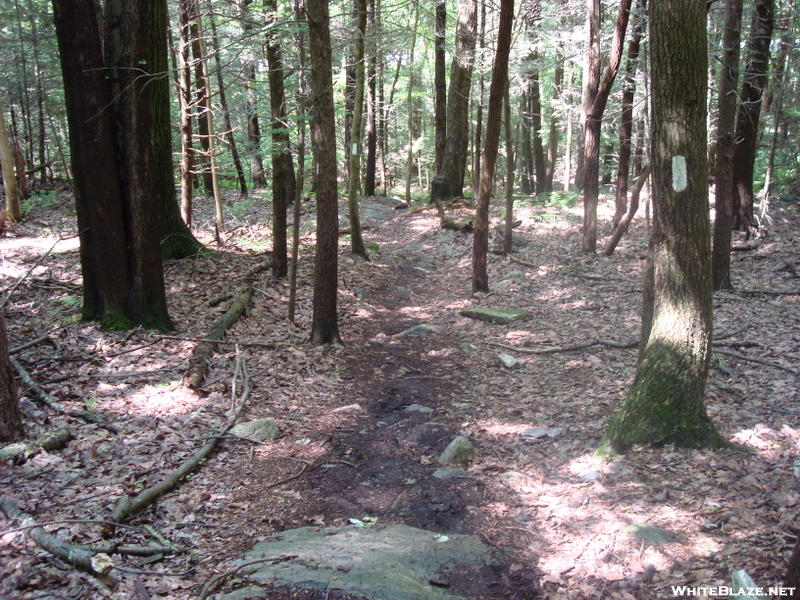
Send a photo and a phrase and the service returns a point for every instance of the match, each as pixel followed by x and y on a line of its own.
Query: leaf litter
pixel 347 450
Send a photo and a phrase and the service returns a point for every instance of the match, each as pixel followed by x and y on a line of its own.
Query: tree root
pixel 127 506
pixel 199 361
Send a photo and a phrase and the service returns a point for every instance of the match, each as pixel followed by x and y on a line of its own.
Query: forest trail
pixel 362 427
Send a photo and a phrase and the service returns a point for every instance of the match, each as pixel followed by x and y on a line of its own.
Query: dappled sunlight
pixel 170 400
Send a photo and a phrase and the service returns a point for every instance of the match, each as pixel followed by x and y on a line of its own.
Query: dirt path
pixel 361 427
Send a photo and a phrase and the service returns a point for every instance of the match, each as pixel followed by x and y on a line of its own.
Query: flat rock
pixel 422 329
pixel 263 430
pixel 498 316
pixel 516 275
pixel 535 433
pixel 458 452
pixel 448 473
pixel 648 533
pixel 418 408
pixel 390 562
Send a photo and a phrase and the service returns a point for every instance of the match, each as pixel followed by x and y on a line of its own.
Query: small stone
pixel 467 347
pixel 498 316
pixel 263 430
pixel 590 476
pixel 423 329
pixel 555 432
pixel 508 361
pixel 534 433
pixel 418 408
pixel 458 452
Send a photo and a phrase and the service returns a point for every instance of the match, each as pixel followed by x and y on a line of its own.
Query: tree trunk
pixel 595 98
pixel 187 108
pixel 476 157
pixel 552 140
pixel 457 140
pixel 354 152
pixel 280 146
pixel 536 133
pixel 665 403
pixel 253 145
pixel 11 428
pixel 226 114
pixel 9 173
pixel 480 241
pixel 409 105
pixel 626 120
pixel 440 86
pixel 754 82
pixel 508 233
pixel 372 100
pixel 324 326
pixel 723 169
pixel 202 102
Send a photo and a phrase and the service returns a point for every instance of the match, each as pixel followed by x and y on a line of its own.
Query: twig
pixel 129 550
pixel 10 291
pixel 26 345
pixel 127 507
pixel 522 262
pixel 756 360
pixel 45 398
pixel 82 521
pixel 213 581
pixel 287 479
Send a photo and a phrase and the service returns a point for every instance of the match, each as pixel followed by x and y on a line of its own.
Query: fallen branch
pixel 231 342
pixel 555 349
pixel 26 345
pixel 201 357
pixel 758 361
pixel 46 399
pixel 127 506
pixel 522 262
pixel 21 452
pixel 97 563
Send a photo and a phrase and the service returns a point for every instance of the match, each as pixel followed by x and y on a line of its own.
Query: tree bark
pixel 440 86
pixel 508 232
pixel 754 82
pixel 665 403
pixel 552 140
pixel 354 185
pixel 457 140
pixel 372 101
pixel 595 98
pixel 409 105
pixel 324 326
pixel 626 120
pixel 11 428
pixel 282 195
pixel 253 145
pixel 480 245
pixel 187 103
pixel 9 172
pixel 724 187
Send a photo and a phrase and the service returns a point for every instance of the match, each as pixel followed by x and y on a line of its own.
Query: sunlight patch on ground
pixel 164 401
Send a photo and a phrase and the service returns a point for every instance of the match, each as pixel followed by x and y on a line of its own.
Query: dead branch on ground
pixel 201 357
pixel 127 507
pixel 97 563
pixel 21 452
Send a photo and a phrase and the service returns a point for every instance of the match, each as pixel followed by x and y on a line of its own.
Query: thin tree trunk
pixel 202 102
pixel 536 133
pixel 725 147
pixel 372 100
pixel 187 108
pixel 354 185
pixel 11 428
pixel 508 234
pixel 9 176
pixel 324 326
pixel 410 154
pixel 476 155
pixel 253 145
pixel 440 86
pixel 552 141
pixel 226 113
pixel 480 245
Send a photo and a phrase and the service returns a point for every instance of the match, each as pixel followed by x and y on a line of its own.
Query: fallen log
pixel 201 357
pixel 97 563
pixel 21 452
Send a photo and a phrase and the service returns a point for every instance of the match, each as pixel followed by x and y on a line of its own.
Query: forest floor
pixel 348 451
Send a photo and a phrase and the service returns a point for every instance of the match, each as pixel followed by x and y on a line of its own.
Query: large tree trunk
pixel 480 242
pixel 280 147
pixel 457 144
pixel 185 13
pixel 665 403
pixel 324 326
pixel 202 101
pixel 754 82
pixel 372 100
pixel 726 146
pixel 440 86
pixel 595 98
pixel 11 428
